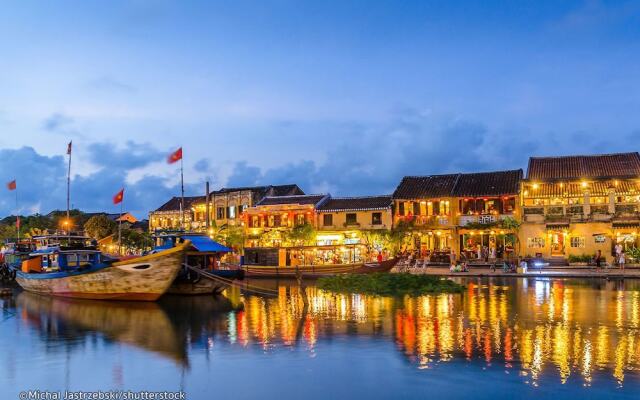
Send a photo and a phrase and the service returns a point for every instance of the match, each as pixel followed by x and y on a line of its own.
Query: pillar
pixel 612 201
pixel 586 207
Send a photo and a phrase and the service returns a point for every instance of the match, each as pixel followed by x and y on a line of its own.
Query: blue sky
pixel 343 97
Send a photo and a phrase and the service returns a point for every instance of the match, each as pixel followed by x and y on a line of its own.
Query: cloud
pixel 42 180
pixel 57 123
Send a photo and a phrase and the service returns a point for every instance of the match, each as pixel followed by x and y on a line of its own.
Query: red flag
pixel 69 148
pixel 12 185
pixel 175 156
pixel 117 199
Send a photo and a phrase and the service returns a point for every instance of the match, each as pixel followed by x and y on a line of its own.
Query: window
pixel 401 208
pixel 352 219
pixel 300 220
pixel 376 218
pixel 577 241
pixel 220 213
pixel 232 212
pixel 255 221
pixel 535 242
pixel 271 221
pixel 327 220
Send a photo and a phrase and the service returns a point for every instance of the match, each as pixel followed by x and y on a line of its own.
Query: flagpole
pixel 182 193
pixel 120 227
pixel 69 151
pixel 17 215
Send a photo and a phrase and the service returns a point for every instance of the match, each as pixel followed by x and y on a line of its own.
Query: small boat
pixel 317 271
pixel 81 272
pixel 201 273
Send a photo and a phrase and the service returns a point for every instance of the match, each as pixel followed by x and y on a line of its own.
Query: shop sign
pixel 486 219
pixel 599 238
pixel 352 241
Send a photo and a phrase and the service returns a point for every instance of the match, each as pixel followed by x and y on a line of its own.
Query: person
pixel 453 256
pixel 598 259
pixel 464 267
pixel 523 265
pixel 621 260
pixel 618 252
pixel 379 257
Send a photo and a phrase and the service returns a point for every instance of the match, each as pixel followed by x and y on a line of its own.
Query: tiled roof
pixel 356 203
pixel 418 187
pixel 603 166
pixel 277 190
pixel 174 203
pixel 306 199
pixel 496 183
pixel 569 189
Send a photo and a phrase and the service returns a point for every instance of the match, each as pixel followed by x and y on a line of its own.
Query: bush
pixel 584 258
pixel 385 284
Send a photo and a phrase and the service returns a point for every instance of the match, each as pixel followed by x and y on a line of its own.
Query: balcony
pixel 426 220
pixel 483 219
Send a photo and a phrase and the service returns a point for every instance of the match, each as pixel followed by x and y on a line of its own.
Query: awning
pixel 206 244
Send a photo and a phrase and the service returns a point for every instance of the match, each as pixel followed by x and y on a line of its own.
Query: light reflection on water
pixel 546 334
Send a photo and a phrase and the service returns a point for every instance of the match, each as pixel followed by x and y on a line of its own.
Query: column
pixel 612 201
pixel 586 207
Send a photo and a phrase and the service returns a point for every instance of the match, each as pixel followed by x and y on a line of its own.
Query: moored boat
pixel 317 271
pixel 200 273
pixel 90 274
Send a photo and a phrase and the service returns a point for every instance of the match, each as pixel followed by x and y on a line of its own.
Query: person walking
pixel 618 252
pixel 598 259
pixel 622 261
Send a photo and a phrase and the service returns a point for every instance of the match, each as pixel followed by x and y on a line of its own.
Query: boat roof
pixel 205 244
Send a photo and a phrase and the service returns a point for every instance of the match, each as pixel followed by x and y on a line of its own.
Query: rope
pixel 232 282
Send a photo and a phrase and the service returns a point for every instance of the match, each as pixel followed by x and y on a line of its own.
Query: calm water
pixel 522 338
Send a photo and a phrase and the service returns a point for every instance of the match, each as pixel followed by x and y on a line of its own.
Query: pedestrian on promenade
pixel 622 261
pixel 618 251
pixel 598 259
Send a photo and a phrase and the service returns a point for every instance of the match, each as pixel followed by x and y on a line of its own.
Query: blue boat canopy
pixel 205 243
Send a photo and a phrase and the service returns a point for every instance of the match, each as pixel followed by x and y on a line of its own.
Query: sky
pixel 341 97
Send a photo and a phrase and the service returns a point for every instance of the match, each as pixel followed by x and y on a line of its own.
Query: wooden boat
pixel 89 274
pixel 317 271
pixel 200 273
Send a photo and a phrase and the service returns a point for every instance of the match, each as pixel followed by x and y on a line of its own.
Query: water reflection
pixel 539 330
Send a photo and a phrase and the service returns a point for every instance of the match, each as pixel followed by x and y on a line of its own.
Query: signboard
pixel 599 238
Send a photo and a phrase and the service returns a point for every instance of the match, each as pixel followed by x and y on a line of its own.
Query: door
pixel 557 244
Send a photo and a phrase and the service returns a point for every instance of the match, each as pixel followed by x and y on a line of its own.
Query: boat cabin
pixel 55 260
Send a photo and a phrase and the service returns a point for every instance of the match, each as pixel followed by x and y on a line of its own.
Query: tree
pixel 234 237
pixel 301 235
pixel 100 226
pixel 136 241
pixel 513 226
pixel 400 234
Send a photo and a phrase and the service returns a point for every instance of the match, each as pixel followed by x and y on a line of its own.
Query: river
pixel 501 338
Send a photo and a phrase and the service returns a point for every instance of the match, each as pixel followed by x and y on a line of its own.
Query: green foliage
pixel 511 224
pixel 584 258
pixel 634 253
pixel 100 226
pixel 134 240
pixel 301 235
pixel 234 237
pixel 400 234
pixel 385 284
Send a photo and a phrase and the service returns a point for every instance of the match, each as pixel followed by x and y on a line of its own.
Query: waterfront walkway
pixel 549 272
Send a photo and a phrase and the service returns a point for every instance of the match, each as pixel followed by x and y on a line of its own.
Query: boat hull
pixel 205 285
pixel 316 271
pixel 139 279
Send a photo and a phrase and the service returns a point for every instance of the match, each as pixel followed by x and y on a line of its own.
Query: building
pixel 168 216
pixel 576 205
pixel 457 212
pixel 268 223
pixel 227 205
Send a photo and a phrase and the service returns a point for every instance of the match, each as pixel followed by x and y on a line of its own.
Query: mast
pixel 206 207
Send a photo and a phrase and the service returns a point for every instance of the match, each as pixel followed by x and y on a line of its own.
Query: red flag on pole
pixel 117 199
pixel 12 185
pixel 69 148
pixel 175 156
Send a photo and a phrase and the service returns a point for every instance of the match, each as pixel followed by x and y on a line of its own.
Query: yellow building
pixel 576 205
pixel 351 223
pixel 227 205
pixel 169 215
pixel 458 213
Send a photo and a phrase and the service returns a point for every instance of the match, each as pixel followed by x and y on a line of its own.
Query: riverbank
pixel 564 272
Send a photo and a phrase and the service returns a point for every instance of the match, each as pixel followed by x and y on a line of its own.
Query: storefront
pixel 486 244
